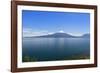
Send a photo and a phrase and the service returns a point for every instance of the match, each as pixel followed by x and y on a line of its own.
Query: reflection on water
pixel 50 49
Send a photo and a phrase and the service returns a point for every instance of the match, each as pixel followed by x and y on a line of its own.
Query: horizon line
pixel 57 32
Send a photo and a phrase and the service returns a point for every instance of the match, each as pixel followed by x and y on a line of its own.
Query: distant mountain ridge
pixel 61 35
pixel 57 35
pixel 86 35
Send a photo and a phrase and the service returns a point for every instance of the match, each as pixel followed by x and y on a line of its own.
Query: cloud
pixel 76 33
pixel 28 32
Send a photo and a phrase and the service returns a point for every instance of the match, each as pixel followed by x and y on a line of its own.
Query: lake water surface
pixel 51 49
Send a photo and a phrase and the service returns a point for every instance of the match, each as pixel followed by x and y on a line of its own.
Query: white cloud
pixel 28 32
pixel 50 33
pixel 76 33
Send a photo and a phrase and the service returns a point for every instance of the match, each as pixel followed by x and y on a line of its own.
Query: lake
pixel 52 49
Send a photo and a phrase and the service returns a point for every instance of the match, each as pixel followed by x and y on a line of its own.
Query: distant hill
pixel 86 36
pixel 61 35
pixel 57 35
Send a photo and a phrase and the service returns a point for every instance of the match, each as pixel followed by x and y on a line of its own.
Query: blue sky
pixel 36 23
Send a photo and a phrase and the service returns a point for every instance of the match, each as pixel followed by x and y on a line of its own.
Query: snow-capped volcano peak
pixel 61 31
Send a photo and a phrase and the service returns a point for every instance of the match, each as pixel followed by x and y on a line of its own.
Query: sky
pixel 36 23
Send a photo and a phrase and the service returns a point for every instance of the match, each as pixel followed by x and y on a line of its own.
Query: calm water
pixel 50 49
